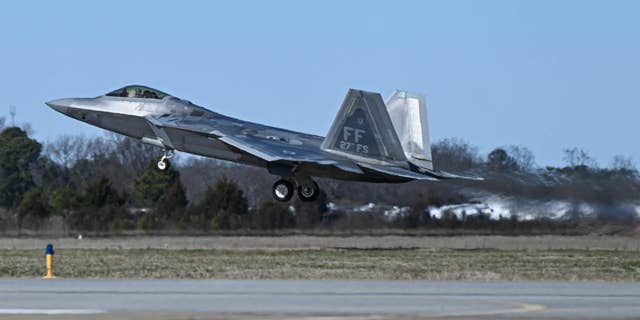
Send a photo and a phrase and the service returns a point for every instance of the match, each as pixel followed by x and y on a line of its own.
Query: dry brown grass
pixel 378 264
pixel 548 242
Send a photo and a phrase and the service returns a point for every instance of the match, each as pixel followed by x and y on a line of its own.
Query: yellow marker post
pixel 49 255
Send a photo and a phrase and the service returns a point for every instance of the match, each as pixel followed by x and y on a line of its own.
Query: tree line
pixel 110 184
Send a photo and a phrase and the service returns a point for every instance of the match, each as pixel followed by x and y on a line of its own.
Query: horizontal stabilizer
pixel 446 175
pixel 397 172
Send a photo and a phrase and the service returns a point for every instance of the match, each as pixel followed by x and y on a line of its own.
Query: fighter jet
pixel 369 140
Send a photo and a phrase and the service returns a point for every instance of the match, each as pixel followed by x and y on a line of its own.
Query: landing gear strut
pixel 164 163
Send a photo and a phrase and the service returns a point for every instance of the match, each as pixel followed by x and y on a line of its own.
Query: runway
pixel 175 299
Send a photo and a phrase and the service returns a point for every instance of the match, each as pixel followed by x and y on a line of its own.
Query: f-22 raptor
pixel 369 140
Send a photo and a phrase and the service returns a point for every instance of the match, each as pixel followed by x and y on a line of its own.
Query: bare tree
pixel 455 154
pixel 132 153
pixel 524 158
pixel 576 157
pixel 99 147
pixel 66 150
pixel 623 163
pixel 2 122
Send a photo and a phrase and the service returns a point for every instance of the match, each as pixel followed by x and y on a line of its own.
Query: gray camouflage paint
pixel 361 145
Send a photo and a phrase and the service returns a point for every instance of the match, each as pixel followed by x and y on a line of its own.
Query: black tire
pixel 282 190
pixel 309 193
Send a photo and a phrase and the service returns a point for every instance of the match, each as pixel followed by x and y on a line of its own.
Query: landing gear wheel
pixel 282 190
pixel 308 192
pixel 163 165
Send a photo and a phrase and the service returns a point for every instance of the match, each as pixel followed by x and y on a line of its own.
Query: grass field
pixel 543 242
pixel 375 264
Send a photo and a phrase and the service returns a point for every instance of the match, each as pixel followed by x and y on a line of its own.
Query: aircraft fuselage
pixel 129 116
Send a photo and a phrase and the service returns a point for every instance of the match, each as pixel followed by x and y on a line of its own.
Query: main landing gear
pixel 307 189
pixel 164 162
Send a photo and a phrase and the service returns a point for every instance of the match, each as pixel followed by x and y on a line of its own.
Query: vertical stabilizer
pixel 408 112
pixel 363 130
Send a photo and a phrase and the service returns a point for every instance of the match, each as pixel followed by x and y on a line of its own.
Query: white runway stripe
pixel 50 311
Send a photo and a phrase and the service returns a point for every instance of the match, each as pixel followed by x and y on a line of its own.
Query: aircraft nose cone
pixel 60 105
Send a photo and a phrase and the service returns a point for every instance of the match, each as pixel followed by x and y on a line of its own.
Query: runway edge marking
pixel 17 311
pixel 521 308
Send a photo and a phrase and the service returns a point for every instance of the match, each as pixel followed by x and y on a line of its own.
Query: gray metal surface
pixel 362 133
pixel 363 130
pixel 408 112
pixel 557 300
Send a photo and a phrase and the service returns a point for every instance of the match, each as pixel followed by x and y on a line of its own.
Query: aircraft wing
pixel 268 148
pixel 279 151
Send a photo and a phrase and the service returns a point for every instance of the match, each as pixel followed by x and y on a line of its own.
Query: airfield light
pixel 49 257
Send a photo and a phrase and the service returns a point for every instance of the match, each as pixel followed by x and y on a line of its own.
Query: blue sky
pixel 542 74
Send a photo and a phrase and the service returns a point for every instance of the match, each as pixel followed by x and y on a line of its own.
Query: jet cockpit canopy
pixel 135 91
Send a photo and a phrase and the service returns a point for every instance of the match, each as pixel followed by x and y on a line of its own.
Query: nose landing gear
pixel 164 162
pixel 307 190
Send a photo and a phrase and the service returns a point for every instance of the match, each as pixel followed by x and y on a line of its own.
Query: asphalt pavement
pixel 195 299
